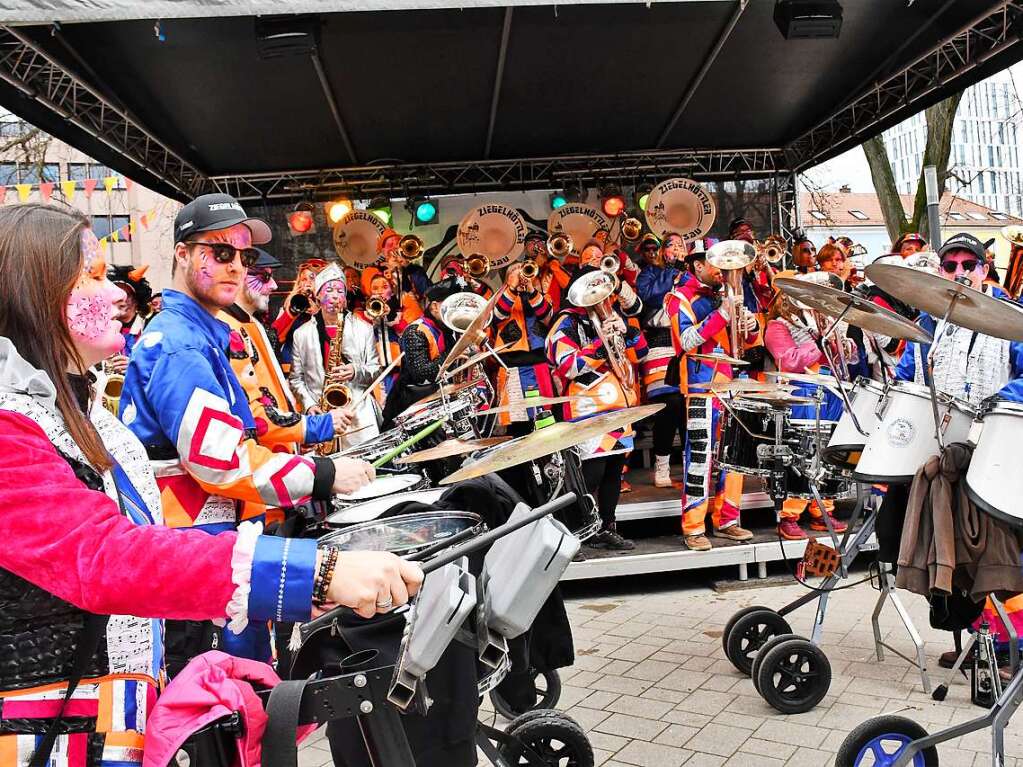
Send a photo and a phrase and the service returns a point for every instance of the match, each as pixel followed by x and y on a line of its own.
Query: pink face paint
pixel 332 297
pixel 92 306
pixel 257 287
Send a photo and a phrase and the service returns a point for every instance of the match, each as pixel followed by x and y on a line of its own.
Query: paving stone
pixel 768 748
pixel 629 629
pixel 584 678
pixel 660 693
pixel 810 757
pixel 589 663
pixel 606 741
pixel 588 718
pixel 652 755
pixel 570 695
pixel 706 702
pixel 643 707
pixel 844 716
pixel 652 670
pixel 599 699
pixel 687 718
pixel 781 731
pixel 719 739
pixel 619 684
pixel 719 682
pixel 705 760
pixel 742 759
pixel 676 735
pixel 600 756
pixel 631 727
pixel 682 679
pixel 617 667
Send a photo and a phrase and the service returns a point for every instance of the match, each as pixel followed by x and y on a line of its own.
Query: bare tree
pixel 25 145
pixel 940 119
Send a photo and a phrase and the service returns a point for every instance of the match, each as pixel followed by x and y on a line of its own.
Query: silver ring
pixel 385 605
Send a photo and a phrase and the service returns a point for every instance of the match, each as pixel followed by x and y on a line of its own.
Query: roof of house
pixel 855 209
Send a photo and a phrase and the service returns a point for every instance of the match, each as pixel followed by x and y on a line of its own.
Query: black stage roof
pixel 489 97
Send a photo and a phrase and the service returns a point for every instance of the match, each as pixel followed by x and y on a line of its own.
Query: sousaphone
pixel 579 221
pixel 494 231
pixel 355 238
pixel 680 206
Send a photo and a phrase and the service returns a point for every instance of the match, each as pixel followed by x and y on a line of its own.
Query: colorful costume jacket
pixel 520 320
pixel 184 403
pixel 132 333
pixel 553 283
pixel 653 285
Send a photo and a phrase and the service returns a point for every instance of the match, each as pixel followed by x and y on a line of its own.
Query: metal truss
pixel 987 35
pixel 504 175
pixel 33 71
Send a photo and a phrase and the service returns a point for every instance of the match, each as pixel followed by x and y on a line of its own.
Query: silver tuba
pixel 458 311
pixel 593 292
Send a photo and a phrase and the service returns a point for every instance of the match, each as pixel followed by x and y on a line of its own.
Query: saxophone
pixel 335 393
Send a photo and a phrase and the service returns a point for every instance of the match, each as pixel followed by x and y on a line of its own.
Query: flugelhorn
pixel 530 269
pixel 632 228
pixel 375 308
pixel 477 265
pixel 610 263
pixel 559 245
pixel 410 246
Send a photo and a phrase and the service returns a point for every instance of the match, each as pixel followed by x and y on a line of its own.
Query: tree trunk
pixel 884 185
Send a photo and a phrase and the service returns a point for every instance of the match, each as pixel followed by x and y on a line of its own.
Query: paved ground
pixel 652 687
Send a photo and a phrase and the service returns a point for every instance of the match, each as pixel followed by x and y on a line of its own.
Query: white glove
pixel 614 324
pixel 627 295
pixel 749 321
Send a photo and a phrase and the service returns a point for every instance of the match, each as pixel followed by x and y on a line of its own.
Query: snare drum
pixel 993 480
pixel 904 436
pixel 803 436
pixel 745 425
pixel 384 484
pixel 402 535
pixel 364 512
pixel 846 443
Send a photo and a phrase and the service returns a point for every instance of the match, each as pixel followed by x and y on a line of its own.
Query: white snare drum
pixel 846 441
pixel 904 437
pixel 993 480
pixel 402 535
pixel 383 485
pixel 369 510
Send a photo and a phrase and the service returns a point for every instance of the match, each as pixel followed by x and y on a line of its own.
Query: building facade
pixel 985 152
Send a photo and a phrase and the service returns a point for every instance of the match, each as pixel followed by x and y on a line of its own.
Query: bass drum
pixel 904 437
pixel 846 443
pixel 993 480
pixel 402 535
pixel 370 510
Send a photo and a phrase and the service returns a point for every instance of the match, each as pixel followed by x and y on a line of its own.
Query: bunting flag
pixel 144 219
pixel 3 193
pixel 46 190
pixel 89 185
pixel 108 183
pixel 128 183
pixel 131 228
pixel 115 236
pixel 24 190
pixel 103 245
pixel 68 188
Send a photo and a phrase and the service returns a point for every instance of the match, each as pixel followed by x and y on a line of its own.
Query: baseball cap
pixel 210 212
pixel 963 241
pixel 265 261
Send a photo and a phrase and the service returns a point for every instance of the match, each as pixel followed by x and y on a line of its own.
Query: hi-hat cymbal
pixel 449 448
pixel 723 359
pixel 526 402
pixel 933 294
pixel 550 439
pixel 810 378
pixel 856 310
pixel 448 390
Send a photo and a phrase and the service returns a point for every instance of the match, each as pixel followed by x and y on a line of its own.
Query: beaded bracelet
pixel 324 576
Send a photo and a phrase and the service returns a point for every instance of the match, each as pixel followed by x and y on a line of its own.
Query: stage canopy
pixel 375 96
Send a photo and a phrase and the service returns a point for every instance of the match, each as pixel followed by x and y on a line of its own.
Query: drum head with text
pixel 680 206
pixel 494 230
pixel 355 238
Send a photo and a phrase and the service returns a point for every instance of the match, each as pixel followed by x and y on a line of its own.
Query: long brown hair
pixel 40 262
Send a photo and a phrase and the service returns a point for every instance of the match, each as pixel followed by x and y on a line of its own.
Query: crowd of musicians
pixel 222 408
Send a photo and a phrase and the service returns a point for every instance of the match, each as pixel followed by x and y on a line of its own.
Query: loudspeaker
pixel 808 19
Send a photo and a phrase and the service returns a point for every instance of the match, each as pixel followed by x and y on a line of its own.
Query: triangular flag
pixel 24 190
pixel 108 183
pixel 103 245
pixel 145 221
pixel 115 237
pixel 131 228
pixel 89 185
pixel 124 231
pixel 46 190
pixel 68 188
pixel 128 183
pixel 3 193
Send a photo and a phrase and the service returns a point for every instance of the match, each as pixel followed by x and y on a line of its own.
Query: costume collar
pixel 187 307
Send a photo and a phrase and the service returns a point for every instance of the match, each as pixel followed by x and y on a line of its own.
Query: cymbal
pixel 810 378
pixel 728 387
pixel 526 402
pixel 933 294
pixel 449 448
pixel 550 439
pixel 447 390
pixel 720 358
pixel 471 335
pixel 777 399
pixel 856 310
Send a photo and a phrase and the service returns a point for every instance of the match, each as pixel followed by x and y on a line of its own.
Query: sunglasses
pixel 264 276
pixel 225 254
pixel 950 267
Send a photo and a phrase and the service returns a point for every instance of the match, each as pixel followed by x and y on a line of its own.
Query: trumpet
pixel 530 269
pixel 375 308
pixel 631 229
pixel 477 265
pixel 610 263
pixel 299 303
pixel 411 247
pixel 559 245
pixel 773 249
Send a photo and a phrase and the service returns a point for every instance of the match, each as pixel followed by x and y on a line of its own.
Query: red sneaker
pixel 790 530
pixel 818 526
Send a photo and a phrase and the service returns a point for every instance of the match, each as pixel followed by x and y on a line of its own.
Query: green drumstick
pixel 407 444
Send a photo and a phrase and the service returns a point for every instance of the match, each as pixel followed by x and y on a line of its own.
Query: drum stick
pixel 377 381
pixel 407 444
pixel 474 360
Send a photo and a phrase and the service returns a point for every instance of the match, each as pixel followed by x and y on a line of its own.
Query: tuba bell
pixel 732 257
pixel 559 245
pixel 411 247
pixel 375 308
pixel 631 229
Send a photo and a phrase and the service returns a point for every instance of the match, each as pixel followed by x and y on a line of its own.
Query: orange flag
pixel 46 190
pixel 89 185
pixel 128 183
pixel 3 193
pixel 145 221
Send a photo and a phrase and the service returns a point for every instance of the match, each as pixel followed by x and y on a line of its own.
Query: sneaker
pixel 610 540
pixel 734 533
pixel 662 471
pixel 579 556
pixel 790 530
pixel 818 526
pixel 698 542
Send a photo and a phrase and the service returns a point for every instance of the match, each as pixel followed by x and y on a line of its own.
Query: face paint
pixel 213 284
pixel 257 292
pixel 91 306
pixel 332 297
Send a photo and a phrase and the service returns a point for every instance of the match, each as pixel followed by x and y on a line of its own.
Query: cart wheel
pixel 547 686
pixel 878 741
pixel 794 676
pixel 747 632
pixel 763 651
pixel 554 737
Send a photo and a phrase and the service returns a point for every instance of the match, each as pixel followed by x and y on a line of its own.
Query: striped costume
pixel 521 320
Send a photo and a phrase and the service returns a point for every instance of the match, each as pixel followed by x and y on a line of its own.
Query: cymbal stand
pixel 938 431
pixel 831 363
pixel 886 586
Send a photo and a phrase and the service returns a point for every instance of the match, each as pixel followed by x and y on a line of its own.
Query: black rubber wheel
pixel 878 741
pixel 554 737
pixel 794 676
pixel 747 632
pixel 763 650
pixel 547 686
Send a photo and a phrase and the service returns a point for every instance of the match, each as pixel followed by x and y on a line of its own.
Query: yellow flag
pixel 115 237
pixel 108 182
pixel 24 190
pixel 131 228
pixel 68 188
pixel 103 245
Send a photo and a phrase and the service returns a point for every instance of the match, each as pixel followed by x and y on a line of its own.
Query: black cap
pixel 445 288
pixel 217 211
pixel 265 260
pixel 963 241
pixel 532 234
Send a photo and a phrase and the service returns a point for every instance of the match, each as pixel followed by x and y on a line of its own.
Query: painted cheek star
pixel 88 317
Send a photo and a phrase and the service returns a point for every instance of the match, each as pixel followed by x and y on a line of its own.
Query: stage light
pixel 338 209
pixel 381 208
pixel 558 200
pixel 642 195
pixel 612 202
pixel 424 210
pixel 300 220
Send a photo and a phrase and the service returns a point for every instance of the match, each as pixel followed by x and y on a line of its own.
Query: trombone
pixel 411 247
pixel 559 245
